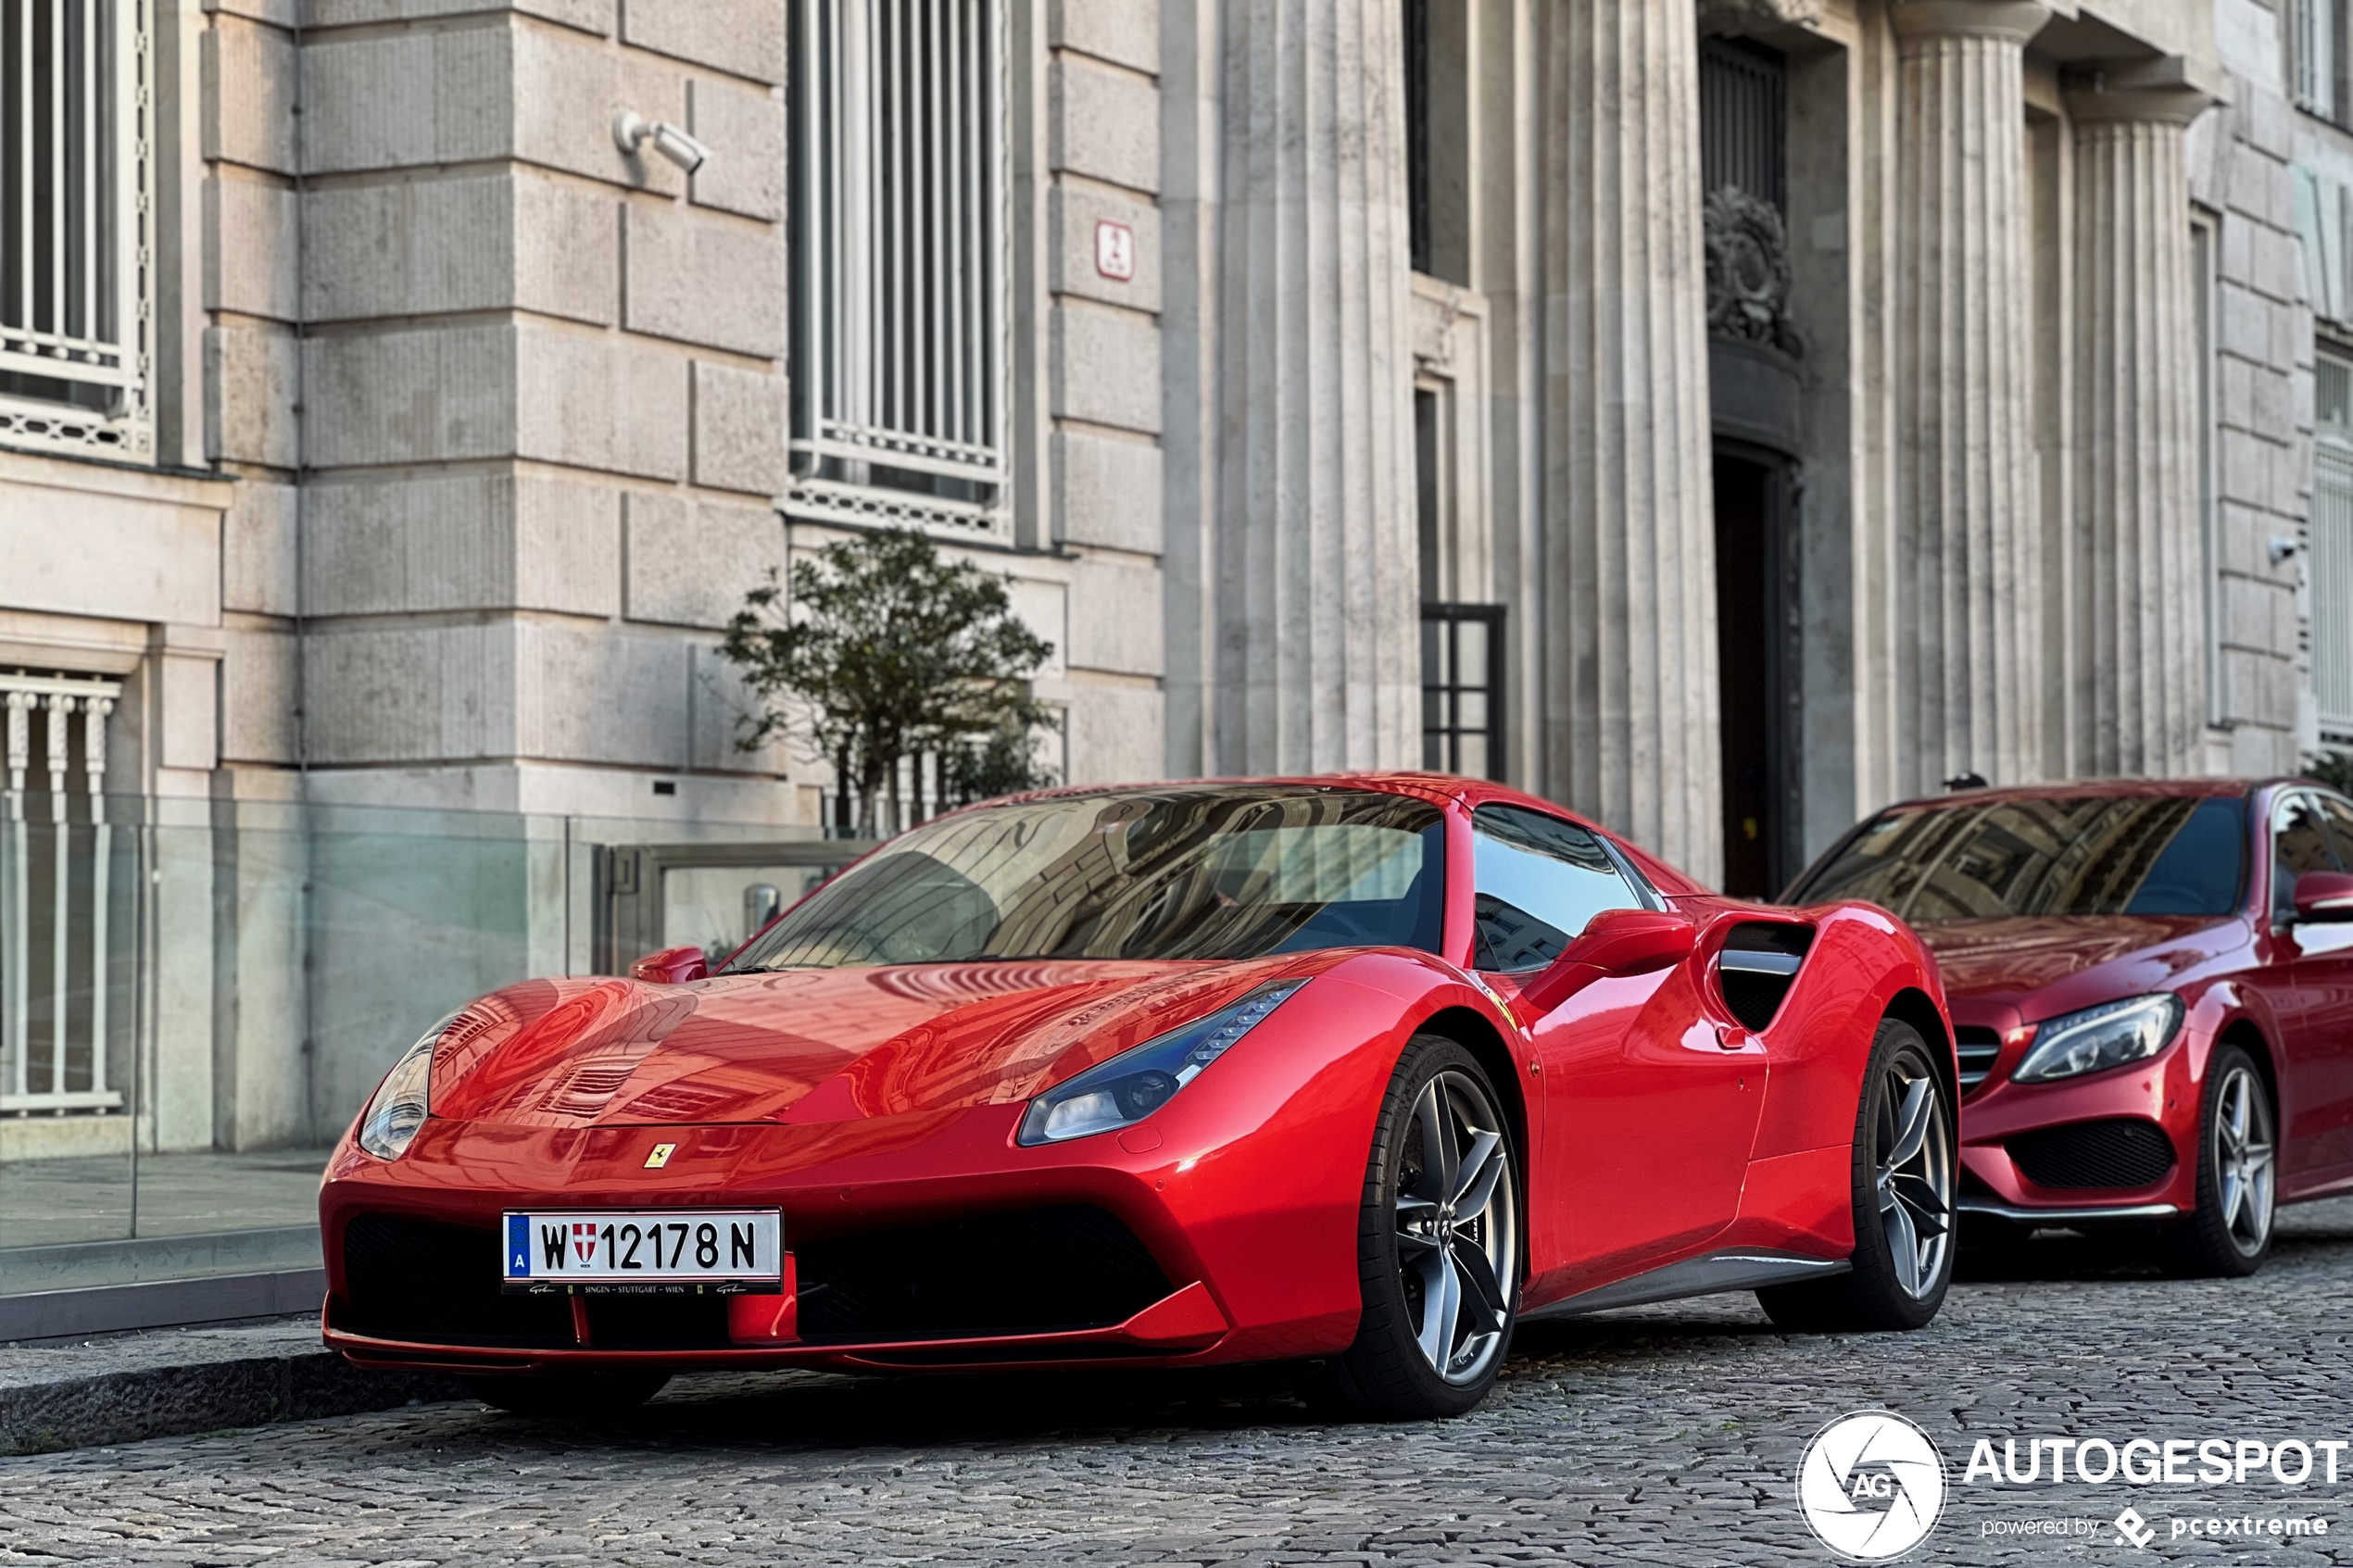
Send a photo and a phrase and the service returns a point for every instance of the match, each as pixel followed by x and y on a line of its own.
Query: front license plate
pixel 740 1249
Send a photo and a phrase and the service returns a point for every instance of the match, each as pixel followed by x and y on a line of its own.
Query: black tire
pixel 574 1394
pixel 2216 1240
pixel 1875 1294
pixel 1407 1235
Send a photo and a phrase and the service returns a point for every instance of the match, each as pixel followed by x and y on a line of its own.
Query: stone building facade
pixel 1723 417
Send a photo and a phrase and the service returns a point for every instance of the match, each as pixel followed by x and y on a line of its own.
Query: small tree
pixel 2334 768
pixel 890 652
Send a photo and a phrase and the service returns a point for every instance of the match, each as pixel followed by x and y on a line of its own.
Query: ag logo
pixel 1871 1486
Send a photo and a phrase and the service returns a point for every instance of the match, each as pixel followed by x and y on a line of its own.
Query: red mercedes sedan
pixel 2152 989
pixel 1357 1070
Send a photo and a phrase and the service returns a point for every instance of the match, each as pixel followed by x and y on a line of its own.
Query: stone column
pixel 2138 607
pixel 1967 498
pixel 1630 680
pixel 1317 653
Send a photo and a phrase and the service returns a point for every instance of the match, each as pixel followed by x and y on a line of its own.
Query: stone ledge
pixel 172 1382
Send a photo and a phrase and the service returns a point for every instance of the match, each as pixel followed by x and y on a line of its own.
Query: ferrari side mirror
pixel 672 966
pixel 2325 896
pixel 1615 942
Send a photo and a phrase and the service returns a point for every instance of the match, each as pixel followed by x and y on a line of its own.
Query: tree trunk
pixel 841 788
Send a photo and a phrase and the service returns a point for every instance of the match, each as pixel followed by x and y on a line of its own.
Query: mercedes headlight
pixel 2100 1037
pixel 1136 1083
pixel 402 1100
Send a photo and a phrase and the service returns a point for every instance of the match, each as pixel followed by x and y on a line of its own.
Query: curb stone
pixel 174 1382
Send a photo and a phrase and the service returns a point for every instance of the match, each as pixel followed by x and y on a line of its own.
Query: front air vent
pixel 1977 1047
pixel 1757 967
pixel 432 1284
pixel 2126 1152
pixel 1031 1271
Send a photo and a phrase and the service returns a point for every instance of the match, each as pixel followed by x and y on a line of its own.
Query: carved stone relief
pixel 1748 271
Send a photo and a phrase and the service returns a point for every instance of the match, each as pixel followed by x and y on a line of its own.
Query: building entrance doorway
pixel 1755 598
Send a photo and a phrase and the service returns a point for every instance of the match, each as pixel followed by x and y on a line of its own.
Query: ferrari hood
pixel 808 1044
pixel 2011 961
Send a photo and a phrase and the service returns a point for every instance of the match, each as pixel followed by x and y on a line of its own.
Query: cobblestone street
pixel 1669 1434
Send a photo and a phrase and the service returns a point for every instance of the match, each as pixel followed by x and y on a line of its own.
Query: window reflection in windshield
pixel 2094 855
pixel 1210 872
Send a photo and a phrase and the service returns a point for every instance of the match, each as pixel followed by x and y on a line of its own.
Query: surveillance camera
pixel 632 131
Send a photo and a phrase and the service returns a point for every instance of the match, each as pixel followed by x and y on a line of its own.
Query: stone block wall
pixel 544 381
pixel 2261 330
pixel 1101 362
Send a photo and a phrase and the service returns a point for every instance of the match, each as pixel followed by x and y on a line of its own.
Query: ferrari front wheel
pixel 1438 1243
pixel 1904 1156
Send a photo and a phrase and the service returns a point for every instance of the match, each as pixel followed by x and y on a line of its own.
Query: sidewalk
pixel 164 1382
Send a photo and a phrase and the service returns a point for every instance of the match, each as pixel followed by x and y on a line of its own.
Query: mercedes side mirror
pixel 672 966
pixel 2323 896
pixel 1615 943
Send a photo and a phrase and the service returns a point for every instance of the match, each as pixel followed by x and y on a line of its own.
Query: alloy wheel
pixel 1913 1170
pixel 2242 1159
pixel 1456 1220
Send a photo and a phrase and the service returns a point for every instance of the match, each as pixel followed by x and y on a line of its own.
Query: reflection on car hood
pixel 2005 960
pixel 808 1044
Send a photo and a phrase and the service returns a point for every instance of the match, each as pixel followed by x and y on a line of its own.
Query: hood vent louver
pixel 1757 967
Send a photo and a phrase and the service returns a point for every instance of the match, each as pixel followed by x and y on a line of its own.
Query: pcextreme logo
pixel 1871 1486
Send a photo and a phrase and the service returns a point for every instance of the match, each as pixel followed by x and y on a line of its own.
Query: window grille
pixel 1463 689
pixel 899 193
pixel 1743 120
pixel 2333 396
pixel 75 224
pixel 2316 41
pixel 58 884
pixel 2331 568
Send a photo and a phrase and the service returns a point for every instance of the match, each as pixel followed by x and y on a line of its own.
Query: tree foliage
pixel 876 650
pixel 2334 768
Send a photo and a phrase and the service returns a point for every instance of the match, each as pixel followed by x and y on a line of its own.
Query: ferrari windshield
pixel 1215 872
pixel 2093 855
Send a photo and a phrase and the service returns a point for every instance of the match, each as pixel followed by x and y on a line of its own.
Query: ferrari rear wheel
pixel 1906 1153
pixel 2230 1231
pixel 569 1393
pixel 1438 1243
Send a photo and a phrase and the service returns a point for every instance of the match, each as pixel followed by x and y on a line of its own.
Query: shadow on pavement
pixel 826 1411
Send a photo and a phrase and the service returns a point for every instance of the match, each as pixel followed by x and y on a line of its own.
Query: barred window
pixel 898 271
pixel 2316 57
pixel 1463 689
pixel 2331 568
pixel 74 240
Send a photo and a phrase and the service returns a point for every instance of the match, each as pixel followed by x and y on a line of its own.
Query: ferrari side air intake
pixel 1757 967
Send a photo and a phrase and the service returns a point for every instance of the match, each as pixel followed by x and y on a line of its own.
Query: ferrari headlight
pixel 2100 1037
pixel 390 1123
pixel 1136 1083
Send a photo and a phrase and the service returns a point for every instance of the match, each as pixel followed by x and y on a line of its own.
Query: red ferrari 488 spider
pixel 1354 1071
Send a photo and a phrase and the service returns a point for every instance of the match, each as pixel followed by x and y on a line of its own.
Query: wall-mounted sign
pixel 1116 250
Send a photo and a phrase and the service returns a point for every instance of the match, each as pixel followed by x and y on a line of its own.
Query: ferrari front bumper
pixel 931 1241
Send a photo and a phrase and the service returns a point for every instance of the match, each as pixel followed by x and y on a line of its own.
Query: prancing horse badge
pixel 661 1156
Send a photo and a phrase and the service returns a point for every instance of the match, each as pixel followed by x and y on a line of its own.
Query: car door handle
pixel 1733 1039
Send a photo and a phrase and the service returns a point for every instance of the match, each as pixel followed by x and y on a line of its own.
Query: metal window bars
pixel 900 372
pixel 1463 689
pixel 58 1068
pixel 74 222
pixel 2330 573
